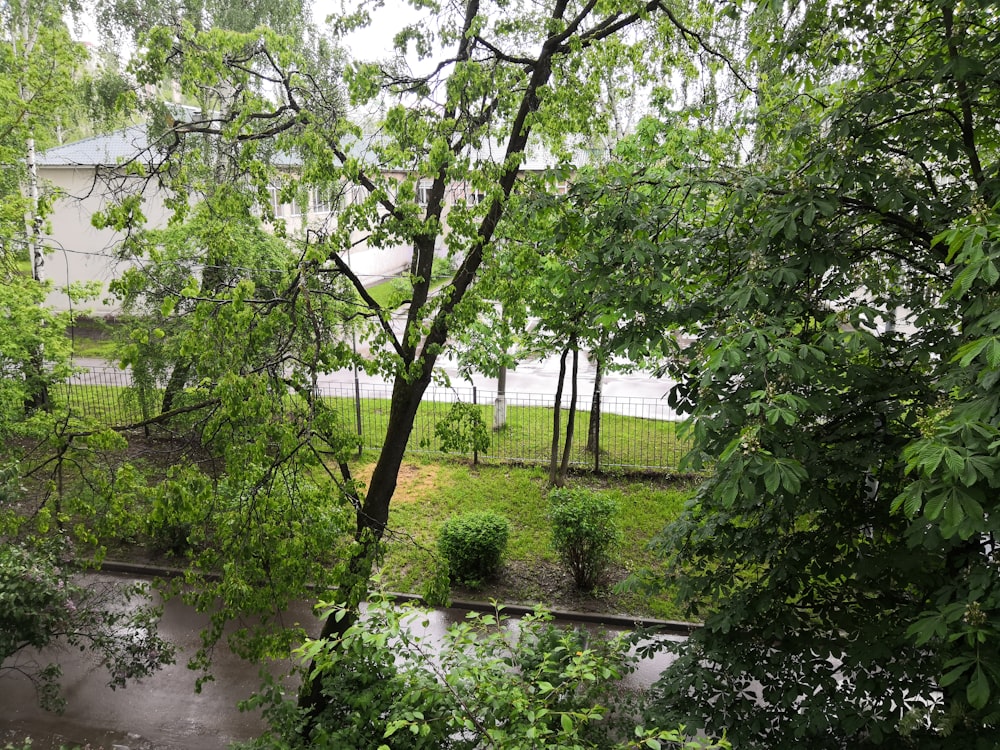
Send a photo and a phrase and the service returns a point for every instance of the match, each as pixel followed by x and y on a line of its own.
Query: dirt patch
pixel 546 583
pixel 413 483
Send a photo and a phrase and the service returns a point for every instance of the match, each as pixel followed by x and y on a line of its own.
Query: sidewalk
pixel 164 713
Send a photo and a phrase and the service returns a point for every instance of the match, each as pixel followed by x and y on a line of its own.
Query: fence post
pixel 144 396
pixel 597 447
pixel 357 408
pixel 475 452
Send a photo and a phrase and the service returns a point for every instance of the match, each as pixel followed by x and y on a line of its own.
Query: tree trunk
pixel 571 419
pixel 38 387
pixel 212 283
pixel 372 518
pixel 178 379
pixel 554 457
pixel 406 397
pixel 594 428
pixel 35 250
pixel 500 402
pixel 373 513
pixel 349 594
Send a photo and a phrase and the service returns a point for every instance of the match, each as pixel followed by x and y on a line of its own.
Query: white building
pixel 88 174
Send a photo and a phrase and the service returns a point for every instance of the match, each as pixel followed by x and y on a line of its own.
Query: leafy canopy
pixel 840 271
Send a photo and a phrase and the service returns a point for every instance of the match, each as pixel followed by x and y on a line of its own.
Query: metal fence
pixel 635 434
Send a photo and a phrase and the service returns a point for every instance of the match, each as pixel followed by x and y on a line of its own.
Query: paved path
pixel 630 394
pixel 539 378
pixel 163 712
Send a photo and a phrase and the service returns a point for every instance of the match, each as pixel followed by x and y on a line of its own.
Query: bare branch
pixel 704 45
pixel 345 269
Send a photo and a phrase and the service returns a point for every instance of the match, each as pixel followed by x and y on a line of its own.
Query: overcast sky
pixel 370 43
pixel 375 41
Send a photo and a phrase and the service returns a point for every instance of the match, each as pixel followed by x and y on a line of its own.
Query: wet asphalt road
pixel 163 712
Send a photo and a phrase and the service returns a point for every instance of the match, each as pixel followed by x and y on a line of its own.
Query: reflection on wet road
pixel 163 712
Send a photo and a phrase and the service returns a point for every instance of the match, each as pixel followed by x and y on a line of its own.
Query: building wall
pixel 84 254
pixel 81 252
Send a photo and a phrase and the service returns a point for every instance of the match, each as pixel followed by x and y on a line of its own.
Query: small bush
pixel 473 545
pixel 463 429
pixel 584 533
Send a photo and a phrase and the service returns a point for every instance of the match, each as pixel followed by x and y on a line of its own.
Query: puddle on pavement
pixel 42 738
pixel 163 712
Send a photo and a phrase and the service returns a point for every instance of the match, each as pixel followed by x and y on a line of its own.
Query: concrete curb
pixel 623 622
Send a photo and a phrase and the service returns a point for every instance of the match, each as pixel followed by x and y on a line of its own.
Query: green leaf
pixel 968 352
pixel 567 723
pixel 913 498
pixel 952 675
pixel 953 460
pixel 978 689
pixel 772 478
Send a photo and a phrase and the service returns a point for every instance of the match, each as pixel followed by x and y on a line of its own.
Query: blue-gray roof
pixel 118 147
pixel 100 150
pixel 132 143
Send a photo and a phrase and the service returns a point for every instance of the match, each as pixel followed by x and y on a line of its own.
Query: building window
pixel 424 192
pixel 358 194
pixel 275 200
pixel 319 201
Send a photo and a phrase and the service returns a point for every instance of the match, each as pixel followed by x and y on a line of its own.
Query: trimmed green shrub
pixel 474 545
pixel 584 533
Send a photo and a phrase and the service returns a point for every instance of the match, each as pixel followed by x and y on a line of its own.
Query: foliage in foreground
pixel 42 607
pixel 490 683
pixel 843 283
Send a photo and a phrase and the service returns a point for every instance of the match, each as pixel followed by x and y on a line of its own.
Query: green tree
pixel 592 263
pixel 41 603
pixel 202 239
pixel 505 77
pixel 39 64
pixel 137 17
pixel 842 280
pixel 491 341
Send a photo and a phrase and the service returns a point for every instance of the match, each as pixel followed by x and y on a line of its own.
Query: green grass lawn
pixel 392 292
pixel 112 405
pixel 626 442
pixel 431 492
pixel 388 293
pixel 93 338
pixel 96 348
